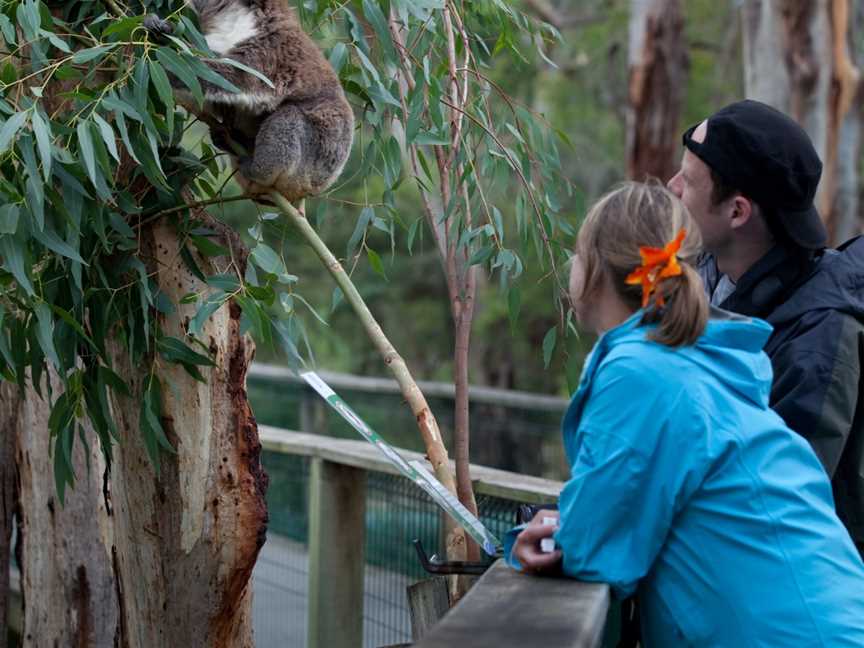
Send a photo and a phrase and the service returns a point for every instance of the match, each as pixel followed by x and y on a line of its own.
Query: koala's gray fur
pixel 297 135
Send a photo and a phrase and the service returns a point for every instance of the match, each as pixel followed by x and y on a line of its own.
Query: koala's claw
pixel 157 26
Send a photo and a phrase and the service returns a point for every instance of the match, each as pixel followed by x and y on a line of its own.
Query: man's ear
pixel 741 210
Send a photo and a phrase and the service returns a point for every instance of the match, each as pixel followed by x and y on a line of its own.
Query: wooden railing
pixel 501 608
pixel 507 609
pixel 431 389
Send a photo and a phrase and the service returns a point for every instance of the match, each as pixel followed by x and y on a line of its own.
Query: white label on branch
pixel 415 471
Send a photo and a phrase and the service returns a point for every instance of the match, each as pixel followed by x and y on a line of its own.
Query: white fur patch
pixel 229 28
pixel 255 102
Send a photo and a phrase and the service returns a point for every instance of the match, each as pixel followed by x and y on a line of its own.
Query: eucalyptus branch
pixel 428 426
pixel 456 115
pixel 527 185
pixel 435 224
pixel 115 8
pixel 152 215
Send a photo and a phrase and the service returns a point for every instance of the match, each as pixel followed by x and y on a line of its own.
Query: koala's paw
pixel 244 167
pixel 156 26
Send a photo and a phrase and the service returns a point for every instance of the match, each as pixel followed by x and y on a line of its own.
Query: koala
pixel 293 138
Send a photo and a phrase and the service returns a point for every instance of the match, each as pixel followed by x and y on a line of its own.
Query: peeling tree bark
pixel 10 406
pixel 657 71
pixel 797 58
pixel 65 561
pixel 186 540
pixel 840 206
pixel 146 560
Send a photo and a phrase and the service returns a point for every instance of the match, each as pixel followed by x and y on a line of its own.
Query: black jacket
pixel 816 306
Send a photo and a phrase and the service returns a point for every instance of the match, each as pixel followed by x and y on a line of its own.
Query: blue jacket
pixel 686 485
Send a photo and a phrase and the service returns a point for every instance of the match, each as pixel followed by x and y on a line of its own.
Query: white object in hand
pixel 547 545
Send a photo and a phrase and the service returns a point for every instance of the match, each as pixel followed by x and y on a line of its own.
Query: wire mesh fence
pixel 515 438
pixel 397 512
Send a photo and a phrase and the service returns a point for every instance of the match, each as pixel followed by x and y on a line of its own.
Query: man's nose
pixel 674 184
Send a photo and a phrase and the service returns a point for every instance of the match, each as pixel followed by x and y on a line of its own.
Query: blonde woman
pixel 685 487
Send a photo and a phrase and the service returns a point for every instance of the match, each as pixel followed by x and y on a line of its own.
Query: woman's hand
pixel 527 550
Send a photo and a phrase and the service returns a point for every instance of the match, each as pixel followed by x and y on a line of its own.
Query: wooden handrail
pixel 508 609
pixel 486 395
pixel 359 454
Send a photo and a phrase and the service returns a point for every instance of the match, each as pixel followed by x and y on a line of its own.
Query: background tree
pixel 657 68
pixel 127 375
pixel 798 58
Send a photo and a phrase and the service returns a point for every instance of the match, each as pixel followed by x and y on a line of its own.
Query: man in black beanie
pixel 749 176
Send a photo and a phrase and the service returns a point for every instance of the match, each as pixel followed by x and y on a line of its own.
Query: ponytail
pixel 682 319
pixel 631 216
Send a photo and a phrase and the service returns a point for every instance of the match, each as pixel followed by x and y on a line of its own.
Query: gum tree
pixel 127 308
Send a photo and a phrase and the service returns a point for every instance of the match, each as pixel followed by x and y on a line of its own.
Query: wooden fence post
pixel 313 412
pixel 337 524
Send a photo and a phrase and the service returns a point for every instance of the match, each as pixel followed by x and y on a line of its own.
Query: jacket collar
pixel 768 282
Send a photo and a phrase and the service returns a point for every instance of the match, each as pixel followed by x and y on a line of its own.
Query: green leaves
pixel 549 341
pixel 90 54
pixel 15 255
pixel 266 258
pixel 152 432
pixel 43 141
pixel 174 350
pixel 9 215
pixel 10 129
pixel 85 147
pixel 174 64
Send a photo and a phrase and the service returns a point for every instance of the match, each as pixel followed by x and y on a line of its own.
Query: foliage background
pixel 69 245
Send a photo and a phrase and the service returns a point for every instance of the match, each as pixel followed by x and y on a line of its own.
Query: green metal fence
pixel 397 512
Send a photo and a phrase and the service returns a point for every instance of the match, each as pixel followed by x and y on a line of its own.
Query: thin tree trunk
pixel 657 71
pixel 839 198
pixel 797 58
pixel 463 317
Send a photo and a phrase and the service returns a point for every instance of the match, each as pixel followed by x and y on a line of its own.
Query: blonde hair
pixel 632 215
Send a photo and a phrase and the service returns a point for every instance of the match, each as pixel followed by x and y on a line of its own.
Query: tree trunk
pixel 657 73
pixel 797 59
pixel 186 539
pixel 65 550
pixel 9 411
pixel 147 560
pixel 136 558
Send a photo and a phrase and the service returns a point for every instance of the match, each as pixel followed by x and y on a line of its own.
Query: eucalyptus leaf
pixel 45 333
pixel 180 68
pixel 10 128
pixel 9 214
pixel 42 130
pixel 91 53
pixel 549 341
pixel 108 136
pixel 13 252
pixel 85 148
pixel 266 258
pixel 174 350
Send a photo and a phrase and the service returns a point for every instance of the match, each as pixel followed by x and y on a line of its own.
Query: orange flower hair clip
pixel 657 264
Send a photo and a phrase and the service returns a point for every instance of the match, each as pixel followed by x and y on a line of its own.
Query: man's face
pixel 693 185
